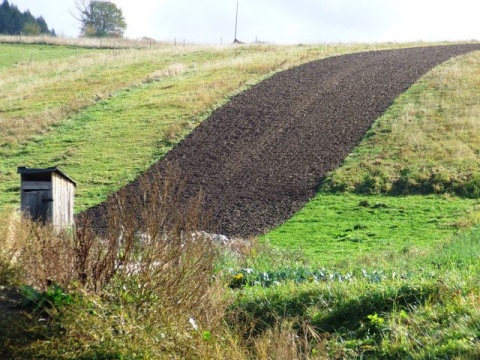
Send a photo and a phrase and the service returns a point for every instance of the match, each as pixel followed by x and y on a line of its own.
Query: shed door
pixel 38 204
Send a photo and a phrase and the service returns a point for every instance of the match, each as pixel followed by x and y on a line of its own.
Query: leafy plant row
pixel 250 277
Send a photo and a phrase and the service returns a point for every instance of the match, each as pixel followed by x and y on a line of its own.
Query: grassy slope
pixel 414 301
pixel 427 142
pixel 105 116
pixel 334 229
pixel 12 55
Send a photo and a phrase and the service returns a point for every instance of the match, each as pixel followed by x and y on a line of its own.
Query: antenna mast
pixel 236 23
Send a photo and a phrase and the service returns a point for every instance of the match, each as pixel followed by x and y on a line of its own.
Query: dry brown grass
pixel 9 227
pixel 148 274
pixel 145 239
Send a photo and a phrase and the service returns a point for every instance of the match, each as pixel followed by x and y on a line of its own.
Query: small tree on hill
pixel 31 28
pixel 100 18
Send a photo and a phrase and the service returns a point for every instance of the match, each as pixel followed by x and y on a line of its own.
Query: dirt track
pixel 260 158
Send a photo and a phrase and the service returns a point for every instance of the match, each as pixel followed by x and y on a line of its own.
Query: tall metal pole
pixel 236 23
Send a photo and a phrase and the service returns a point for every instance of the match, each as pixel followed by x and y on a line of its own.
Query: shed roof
pixel 34 171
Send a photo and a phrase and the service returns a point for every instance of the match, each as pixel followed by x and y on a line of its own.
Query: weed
pixel 47 302
pixel 136 285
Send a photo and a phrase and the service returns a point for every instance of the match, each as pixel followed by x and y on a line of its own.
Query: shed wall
pixel 63 198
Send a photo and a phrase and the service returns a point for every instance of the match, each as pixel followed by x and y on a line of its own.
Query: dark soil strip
pixel 260 158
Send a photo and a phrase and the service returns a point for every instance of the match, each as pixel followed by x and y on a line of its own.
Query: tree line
pixel 98 18
pixel 15 22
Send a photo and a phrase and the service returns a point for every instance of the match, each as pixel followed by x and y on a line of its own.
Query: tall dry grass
pixel 9 227
pixel 147 279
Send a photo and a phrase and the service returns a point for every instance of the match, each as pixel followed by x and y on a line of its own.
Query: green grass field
pixel 337 229
pixel 381 264
pixel 18 55
pixel 405 306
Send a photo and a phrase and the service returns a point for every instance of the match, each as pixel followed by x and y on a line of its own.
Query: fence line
pixel 100 43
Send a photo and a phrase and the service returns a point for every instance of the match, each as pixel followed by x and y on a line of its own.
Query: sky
pixel 280 21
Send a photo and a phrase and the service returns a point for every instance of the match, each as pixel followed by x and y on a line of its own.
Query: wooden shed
pixel 47 195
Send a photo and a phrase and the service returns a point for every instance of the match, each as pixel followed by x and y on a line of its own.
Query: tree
pixel 100 18
pixel 43 25
pixel 32 29
pixel 5 17
pixel 13 21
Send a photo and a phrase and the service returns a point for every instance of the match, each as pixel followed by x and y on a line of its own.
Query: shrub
pixel 133 287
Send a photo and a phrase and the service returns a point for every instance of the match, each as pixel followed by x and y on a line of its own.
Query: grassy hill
pixel 383 264
pixel 425 144
pixel 104 116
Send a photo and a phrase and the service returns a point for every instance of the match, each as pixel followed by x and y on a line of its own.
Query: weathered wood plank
pixel 36 185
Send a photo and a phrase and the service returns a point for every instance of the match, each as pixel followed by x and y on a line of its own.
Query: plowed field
pixel 262 156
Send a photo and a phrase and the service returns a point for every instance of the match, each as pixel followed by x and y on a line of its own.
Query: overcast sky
pixel 280 21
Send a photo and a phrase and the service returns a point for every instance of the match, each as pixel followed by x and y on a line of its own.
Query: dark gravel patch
pixel 262 156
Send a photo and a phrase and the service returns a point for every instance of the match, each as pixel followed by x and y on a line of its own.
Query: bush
pixel 131 291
